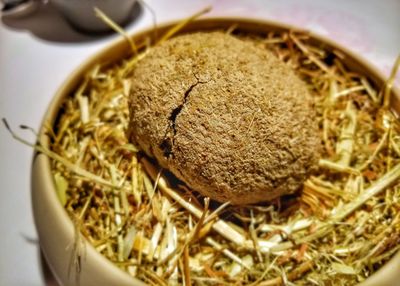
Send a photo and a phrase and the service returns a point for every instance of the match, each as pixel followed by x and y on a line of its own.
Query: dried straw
pixel 339 230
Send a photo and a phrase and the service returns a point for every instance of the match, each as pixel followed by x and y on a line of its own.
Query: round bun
pixel 224 116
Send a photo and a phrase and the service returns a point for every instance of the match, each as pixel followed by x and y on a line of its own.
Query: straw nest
pixel 225 116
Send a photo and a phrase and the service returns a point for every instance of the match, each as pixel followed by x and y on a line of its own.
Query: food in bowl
pixel 228 118
pixel 341 228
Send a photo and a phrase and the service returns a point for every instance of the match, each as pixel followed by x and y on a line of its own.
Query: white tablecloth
pixel 38 52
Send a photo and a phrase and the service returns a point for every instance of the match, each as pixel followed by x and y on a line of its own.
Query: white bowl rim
pixel 43 162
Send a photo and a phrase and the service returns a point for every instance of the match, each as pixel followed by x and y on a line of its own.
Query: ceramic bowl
pixel 56 230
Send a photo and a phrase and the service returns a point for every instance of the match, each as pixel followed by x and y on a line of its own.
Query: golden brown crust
pixel 226 117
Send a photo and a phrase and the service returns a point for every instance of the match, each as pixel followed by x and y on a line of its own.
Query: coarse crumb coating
pixel 225 116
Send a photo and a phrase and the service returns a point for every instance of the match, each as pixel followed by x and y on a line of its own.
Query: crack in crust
pixel 169 139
